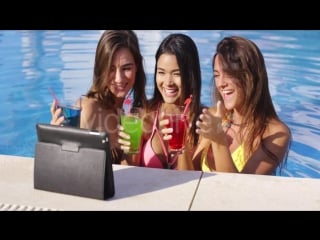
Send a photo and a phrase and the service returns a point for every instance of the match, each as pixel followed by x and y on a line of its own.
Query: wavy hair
pixel 242 59
pixel 110 42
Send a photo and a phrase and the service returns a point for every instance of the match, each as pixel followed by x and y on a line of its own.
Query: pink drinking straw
pixel 187 104
pixel 127 102
pixel 53 95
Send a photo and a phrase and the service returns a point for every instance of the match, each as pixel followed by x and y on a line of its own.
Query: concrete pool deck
pixel 144 189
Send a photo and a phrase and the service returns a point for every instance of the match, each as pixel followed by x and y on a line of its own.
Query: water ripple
pixel 32 60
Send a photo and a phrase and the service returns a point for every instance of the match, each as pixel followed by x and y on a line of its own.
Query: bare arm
pixel 185 159
pixel 276 140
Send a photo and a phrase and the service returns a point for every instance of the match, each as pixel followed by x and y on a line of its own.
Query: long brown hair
pixel 110 42
pixel 242 59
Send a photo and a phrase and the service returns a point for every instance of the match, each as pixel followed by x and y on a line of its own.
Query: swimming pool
pixel 30 61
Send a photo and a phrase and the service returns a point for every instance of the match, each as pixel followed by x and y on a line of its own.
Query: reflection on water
pixel 31 61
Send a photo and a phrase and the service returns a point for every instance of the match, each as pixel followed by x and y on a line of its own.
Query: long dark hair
pixel 186 52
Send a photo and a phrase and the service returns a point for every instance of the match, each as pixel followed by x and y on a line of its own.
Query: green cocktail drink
pixel 132 125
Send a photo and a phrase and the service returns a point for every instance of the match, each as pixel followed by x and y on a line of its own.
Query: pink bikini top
pixel 149 158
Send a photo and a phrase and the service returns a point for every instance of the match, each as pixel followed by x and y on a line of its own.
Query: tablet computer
pixel 71 137
pixel 73 161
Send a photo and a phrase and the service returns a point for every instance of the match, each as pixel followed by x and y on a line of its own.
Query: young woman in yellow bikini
pixel 242 133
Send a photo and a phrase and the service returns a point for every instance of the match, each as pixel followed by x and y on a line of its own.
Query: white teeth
pixel 226 91
pixel 169 90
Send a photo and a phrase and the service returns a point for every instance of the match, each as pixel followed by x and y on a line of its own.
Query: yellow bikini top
pixel 237 157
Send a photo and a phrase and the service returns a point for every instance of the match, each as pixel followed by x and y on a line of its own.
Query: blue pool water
pixel 31 61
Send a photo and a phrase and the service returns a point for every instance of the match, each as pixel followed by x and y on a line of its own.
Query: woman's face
pixel 168 78
pixel 122 73
pixel 228 87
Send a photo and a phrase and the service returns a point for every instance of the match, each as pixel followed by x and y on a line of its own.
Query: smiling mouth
pixel 170 92
pixel 226 94
pixel 120 87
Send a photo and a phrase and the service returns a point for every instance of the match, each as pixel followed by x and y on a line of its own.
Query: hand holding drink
pixel 132 124
pixel 71 112
pixel 177 121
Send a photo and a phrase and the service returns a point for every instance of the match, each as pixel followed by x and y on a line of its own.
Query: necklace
pixel 229 123
pixel 237 124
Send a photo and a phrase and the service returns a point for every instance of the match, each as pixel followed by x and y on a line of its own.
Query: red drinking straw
pixel 127 102
pixel 187 103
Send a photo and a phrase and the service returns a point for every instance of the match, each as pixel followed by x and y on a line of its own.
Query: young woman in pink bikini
pixel 177 76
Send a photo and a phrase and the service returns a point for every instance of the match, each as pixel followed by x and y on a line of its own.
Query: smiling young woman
pixel 177 76
pixel 118 69
pixel 243 132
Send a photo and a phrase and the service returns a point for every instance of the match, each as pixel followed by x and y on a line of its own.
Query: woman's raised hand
pixel 55 114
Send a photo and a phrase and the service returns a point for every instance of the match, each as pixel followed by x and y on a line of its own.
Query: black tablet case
pixel 73 161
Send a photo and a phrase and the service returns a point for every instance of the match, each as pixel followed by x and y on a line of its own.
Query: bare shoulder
pixel 89 104
pixel 276 126
pixel 85 101
pixel 277 132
